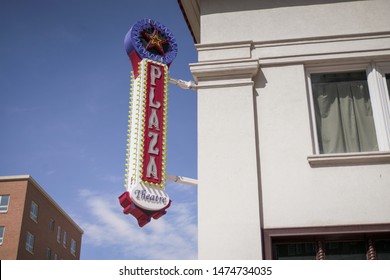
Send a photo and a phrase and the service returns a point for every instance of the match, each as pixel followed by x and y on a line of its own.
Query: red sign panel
pixel 154 124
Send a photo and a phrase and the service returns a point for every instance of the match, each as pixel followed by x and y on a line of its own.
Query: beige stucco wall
pixel 264 20
pixel 229 221
pixel 254 127
pixel 294 193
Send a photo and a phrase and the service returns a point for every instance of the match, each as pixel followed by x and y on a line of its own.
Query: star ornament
pixel 150 39
pixel 155 41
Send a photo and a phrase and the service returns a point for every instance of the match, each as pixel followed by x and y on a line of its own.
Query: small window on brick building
pixel 34 211
pixel 30 242
pixel 48 253
pixel 52 224
pixel 64 239
pixel 4 202
pixel 59 234
pixel 73 247
pixel 2 230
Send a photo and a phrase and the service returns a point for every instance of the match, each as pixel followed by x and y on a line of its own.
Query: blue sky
pixel 64 91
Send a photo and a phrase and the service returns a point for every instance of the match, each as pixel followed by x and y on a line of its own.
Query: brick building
pixel 33 225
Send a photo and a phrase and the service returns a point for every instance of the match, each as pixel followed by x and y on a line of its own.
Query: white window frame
pixel 380 102
pixel 34 211
pixel 30 240
pixel 379 96
pixel 4 208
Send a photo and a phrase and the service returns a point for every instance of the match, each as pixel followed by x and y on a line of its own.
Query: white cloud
pixel 107 229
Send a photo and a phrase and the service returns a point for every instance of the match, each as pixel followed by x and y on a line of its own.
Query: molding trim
pixel 223 45
pixel 224 51
pixel 331 160
pixel 225 73
pixel 314 50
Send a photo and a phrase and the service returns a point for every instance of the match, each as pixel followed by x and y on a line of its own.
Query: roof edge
pixel 191 13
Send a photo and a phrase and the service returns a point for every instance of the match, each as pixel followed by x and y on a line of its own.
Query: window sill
pixel 329 160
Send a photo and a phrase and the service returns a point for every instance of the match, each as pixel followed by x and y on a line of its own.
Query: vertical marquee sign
pixel 151 48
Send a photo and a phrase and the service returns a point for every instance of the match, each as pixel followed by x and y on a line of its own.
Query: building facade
pixel 293 128
pixel 33 225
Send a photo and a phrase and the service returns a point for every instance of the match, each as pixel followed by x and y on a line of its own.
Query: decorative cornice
pixel 224 51
pixel 225 73
pixel 224 45
pixel 314 50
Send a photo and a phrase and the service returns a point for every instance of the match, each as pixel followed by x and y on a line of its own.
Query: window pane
pixel 294 251
pixel 4 200
pixel 30 242
pixel 343 113
pixel 1 234
pixel 73 246
pixel 347 250
pixel 34 211
pixel 59 234
pixel 382 248
pixel 64 239
pixel 388 83
pixel 48 253
pixel 51 224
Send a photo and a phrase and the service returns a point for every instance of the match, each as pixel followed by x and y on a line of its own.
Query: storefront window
pixel 297 251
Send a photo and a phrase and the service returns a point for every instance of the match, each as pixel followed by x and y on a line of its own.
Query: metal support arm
pixel 183 84
pixel 182 180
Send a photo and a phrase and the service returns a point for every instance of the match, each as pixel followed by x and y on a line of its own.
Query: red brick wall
pixel 12 220
pixel 18 223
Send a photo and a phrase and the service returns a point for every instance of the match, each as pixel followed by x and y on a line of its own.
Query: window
pixel 347 242
pixel 4 202
pixel 34 211
pixel 64 239
pixel 48 253
pixel 73 246
pixel 361 249
pixel 295 251
pixel 382 248
pixel 2 230
pixel 30 242
pixel 351 108
pixel 345 250
pixel 52 224
pixel 59 234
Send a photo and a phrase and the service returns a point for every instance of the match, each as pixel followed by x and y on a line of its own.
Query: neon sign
pixel 151 48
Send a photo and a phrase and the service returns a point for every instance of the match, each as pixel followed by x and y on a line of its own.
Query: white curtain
pixel 344 117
